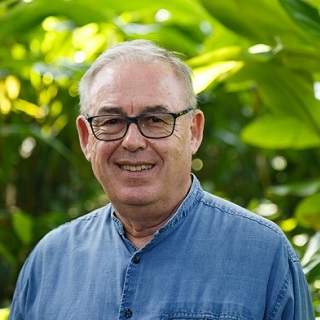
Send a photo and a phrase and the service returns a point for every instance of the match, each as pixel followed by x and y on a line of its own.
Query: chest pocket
pixel 203 316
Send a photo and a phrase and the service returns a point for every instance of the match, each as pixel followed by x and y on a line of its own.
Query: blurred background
pixel 257 72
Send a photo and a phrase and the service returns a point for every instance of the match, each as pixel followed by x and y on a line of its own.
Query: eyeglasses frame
pixel 135 120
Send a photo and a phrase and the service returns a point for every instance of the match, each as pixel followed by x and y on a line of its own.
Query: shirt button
pixel 127 313
pixel 136 259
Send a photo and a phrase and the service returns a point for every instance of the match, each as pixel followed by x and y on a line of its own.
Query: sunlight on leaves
pixel 12 85
pixel 27 146
pixel 73 90
pixel 300 239
pixel 56 108
pixel 29 108
pixel 82 34
pixel 56 24
pixel 259 48
pixel 89 39
pixel 312 254
pixel 205 76
pixel 4 314
pixel 35 78
pixel 279 163
pixel 289 224
pixel 162 15
pixel 266 208
pixel 316 87
pixel 44 97
pixel 262 52
pixel 47 78
pixel 59 124
pixel 79 56
pixel 18 51
pixel 225 53
pixel 5 105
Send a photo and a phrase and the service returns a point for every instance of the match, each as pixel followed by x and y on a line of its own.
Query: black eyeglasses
pixel 155 125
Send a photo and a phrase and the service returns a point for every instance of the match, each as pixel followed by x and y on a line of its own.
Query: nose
pixel 133 140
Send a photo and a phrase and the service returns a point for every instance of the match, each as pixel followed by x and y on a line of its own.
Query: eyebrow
pixel 118 110
pixel 109 110
pixel 157 108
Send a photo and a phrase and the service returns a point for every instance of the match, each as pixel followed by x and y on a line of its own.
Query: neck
pixel 140 224
pixel 141 234
pixel 142 221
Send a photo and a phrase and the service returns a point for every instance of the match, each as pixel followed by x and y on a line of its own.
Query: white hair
pixel 136 50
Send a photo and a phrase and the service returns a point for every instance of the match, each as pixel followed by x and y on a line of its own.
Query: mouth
pixel 136 167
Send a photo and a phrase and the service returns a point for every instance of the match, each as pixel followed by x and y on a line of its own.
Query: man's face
pixel 138 171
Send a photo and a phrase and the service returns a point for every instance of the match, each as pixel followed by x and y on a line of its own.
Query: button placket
pixel 129 287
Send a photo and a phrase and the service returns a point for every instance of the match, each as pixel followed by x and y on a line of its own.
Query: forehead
pixel 134 85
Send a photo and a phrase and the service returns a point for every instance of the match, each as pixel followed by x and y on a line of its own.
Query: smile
pixel 136 168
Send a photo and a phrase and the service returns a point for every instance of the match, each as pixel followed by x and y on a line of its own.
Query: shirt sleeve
pixel 17 301
pixel 293 301
pixel 15 313
pixel 24 295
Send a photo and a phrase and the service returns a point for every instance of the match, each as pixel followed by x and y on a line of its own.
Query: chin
pixel 136 198
pixel 134 195
pixel 134 201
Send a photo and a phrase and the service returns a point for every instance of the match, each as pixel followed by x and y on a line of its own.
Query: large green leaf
pixel 26 16
pixel 262 21
pixel 304 14
pixel 308 212
pixel 285 92
pixel 277 132
pixel 303 59
pixel 314 3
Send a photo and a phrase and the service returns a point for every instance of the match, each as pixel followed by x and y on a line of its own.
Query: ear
pixel 197 127
pixel 84 135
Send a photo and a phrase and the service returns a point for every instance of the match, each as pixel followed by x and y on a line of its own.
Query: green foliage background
pixel 257 72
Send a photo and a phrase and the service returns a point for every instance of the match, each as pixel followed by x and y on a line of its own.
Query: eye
pixel 112 121
pixel 108 121
pixel 154 119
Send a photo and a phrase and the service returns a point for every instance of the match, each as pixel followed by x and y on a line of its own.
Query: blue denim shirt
pixel 213 260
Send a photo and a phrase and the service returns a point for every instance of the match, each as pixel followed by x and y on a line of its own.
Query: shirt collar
pixel 193 197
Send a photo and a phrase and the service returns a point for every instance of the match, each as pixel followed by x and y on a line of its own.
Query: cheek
pixel 182 143
pixel 176 152
pixel 100 154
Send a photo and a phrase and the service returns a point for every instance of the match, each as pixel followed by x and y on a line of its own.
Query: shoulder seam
pixel 87 217
pixel 233 212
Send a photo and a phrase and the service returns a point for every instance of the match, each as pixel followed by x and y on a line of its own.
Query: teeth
pixel 136 168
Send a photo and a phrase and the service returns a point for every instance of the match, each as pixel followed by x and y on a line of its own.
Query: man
pixel 163 248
